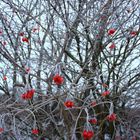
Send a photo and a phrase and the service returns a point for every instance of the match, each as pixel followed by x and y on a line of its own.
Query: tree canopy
pixel 69 69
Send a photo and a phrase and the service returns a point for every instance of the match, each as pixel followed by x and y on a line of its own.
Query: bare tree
pixel 69 69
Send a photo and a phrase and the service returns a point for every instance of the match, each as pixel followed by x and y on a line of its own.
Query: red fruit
pixel 112 117
pixel 35 131
pixel 24 96
pixel 133 33
pixel 88 134
pixel 112 46
pixel 58 80
pixel 97 36
pixel 27 70
pixel 105 93
pixel 21 34
pixel 25 39
pixel 111 31
pixel 4 78
pixel 69 104
pixel 1 129
pixel 4 43
pixel 35 29
pixel 93 121
pixel 1 31
pixel 93 103
pixel 30 93
pixel 85 134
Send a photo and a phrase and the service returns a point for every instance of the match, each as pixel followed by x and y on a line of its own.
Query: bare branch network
pixel 69 69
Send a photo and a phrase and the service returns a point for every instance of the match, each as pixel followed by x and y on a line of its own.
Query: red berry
pixel 93 103
pixel 30 93
pixel 112 117
pixel 105 93
pixel 58 80
pixel 85 134
pixel 27 70
pixel 133 33
pixel 111 31
pixel 35 29
pixel 93 121
pixel 35 131
pixel 112 46
pixel 1 31
pixel 21 34
pixel 1 129
pixel 4 43
pixel 24 96
pixel 88 134
pixel 25 39
pixel 69 104
pixel 4 78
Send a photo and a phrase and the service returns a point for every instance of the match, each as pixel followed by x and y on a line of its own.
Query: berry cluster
pixel 111 117
pixel 28 95
pixel 69 104
pixel 88 134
